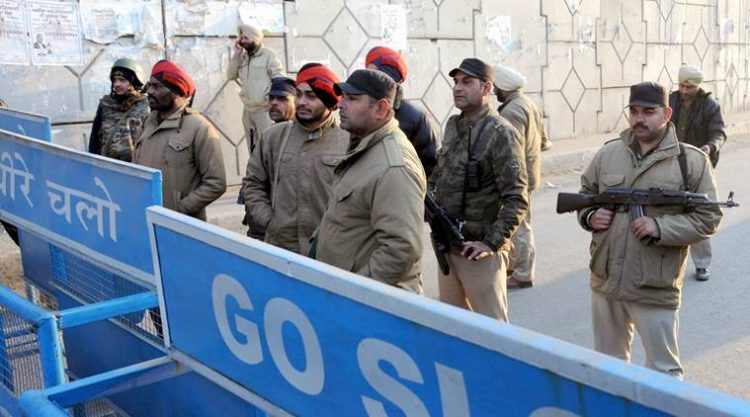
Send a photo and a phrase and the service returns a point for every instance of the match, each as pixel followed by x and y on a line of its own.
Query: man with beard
pixel 480 179
pixel 638 266
pixel 697 119
pixel 120 115
pixel 291 173
pixel 525 116
pixel 412 120
pixel 373 223
pixel 180 142
pixel 254 66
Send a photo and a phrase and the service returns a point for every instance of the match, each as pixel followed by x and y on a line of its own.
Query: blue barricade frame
pixel 26 124
pixel 297 337
pixel 91 217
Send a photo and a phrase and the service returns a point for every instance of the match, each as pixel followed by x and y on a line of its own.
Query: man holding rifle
pixel 638 263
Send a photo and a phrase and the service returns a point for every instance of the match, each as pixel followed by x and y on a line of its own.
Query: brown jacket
pixel 290 207
pixel 525 116
pixel 254 73
pixel 185 147
pixel 625 268
pixel 373 224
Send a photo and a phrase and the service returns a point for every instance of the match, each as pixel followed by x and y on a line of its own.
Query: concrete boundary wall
pixel 579 56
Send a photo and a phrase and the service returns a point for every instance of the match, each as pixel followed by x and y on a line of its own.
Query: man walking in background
pixel 697 118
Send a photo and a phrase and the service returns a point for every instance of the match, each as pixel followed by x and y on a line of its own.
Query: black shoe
pixel 702 274
pixel 513 283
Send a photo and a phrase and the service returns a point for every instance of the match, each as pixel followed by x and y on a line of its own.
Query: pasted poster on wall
pixel 55 32
pixel 393 26
pixel 13 38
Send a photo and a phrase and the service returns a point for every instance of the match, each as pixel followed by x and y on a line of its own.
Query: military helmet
pixel 133 67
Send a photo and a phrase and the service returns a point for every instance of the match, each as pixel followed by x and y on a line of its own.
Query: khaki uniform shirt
pixel 289 207
pixel 186 148
pixel 373 224
pixel 625 268
pixel 254 73
pixel 525 116
pixel 494 211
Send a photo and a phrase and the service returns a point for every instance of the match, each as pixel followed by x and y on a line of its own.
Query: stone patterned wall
pixel 579 56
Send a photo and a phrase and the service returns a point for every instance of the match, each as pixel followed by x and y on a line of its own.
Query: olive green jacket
pixel 373 224
pixel 525 116
pixel 494 211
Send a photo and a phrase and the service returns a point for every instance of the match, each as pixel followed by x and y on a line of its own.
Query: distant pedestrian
pixel 290 174
pixel 480 179
pixel 373 223
pixel 254 66
pixel 697 118
pixel 638 266
pixel 412 120
pixel 121 113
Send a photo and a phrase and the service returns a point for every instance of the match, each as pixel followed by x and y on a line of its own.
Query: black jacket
pixel 706 124
pixel 421 132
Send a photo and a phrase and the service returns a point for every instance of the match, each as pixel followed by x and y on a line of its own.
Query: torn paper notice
pixel 268 15
pixel 55 33
pixel 393 26
pixel 499 31
pixel 104 21
pixel 13 39
pixel 147 25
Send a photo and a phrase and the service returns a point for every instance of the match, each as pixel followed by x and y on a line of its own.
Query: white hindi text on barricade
pixel 87 207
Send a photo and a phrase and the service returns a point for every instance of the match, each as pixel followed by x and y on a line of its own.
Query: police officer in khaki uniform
pixel 638 266
pixel 290 174
pixel 480 179
pixel 373 224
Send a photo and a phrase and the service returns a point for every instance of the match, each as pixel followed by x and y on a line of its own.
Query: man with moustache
pixel 698 121
pixel 180 142
pixel 480 179
pixel 254 66
pixel 638 266
pixel 291 173
pixel 120 115
pixel 373 223
pixel 281 108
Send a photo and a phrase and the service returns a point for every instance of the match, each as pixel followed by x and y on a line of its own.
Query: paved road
pixel 715 318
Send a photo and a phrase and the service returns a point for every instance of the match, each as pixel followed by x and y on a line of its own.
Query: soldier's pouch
pixel 661 266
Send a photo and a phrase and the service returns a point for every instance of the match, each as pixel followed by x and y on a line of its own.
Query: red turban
pixel 382 56
pixel 321 80
pixel 174 78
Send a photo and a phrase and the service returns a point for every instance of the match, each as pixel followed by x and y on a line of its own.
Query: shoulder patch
pixel 393 154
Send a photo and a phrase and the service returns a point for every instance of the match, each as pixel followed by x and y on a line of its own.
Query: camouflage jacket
pixel 494 211
pixel 117 126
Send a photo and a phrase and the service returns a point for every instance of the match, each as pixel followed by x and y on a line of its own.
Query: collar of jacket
pixel 368 142
pixel 131 100
pixel 463 124
pixel 513 95
pixel 172 121
pixel 668 146
pixel 316 132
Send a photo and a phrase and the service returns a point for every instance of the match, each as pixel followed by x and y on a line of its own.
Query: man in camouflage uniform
pixel 697 119
pixel 120 115
pixel 525 116
pixel 290 174
pixel 480 179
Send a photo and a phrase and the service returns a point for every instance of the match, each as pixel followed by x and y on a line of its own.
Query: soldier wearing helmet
pixel 121 113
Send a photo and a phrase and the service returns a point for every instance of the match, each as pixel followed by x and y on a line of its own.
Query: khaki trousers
pixel 476 285
pixel 701 253
pixel 522 256
pixel 254 122
pixel 613 323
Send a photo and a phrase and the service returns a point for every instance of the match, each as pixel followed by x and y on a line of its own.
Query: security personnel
pixel 480 179
pixel 373 224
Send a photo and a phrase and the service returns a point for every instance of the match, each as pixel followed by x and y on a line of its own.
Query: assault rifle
pixel 636 199
pixel 446 231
